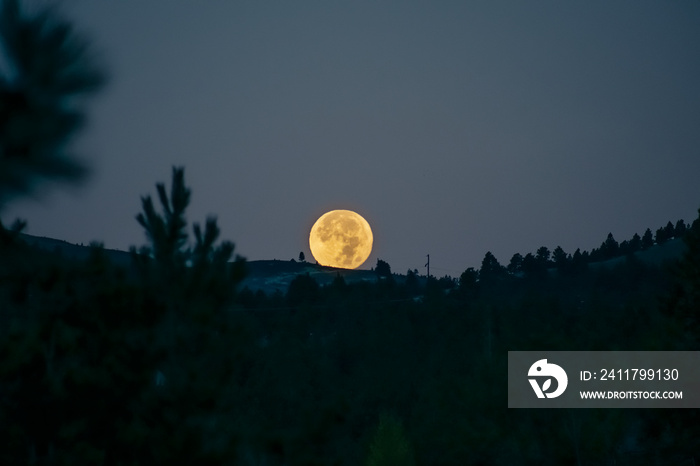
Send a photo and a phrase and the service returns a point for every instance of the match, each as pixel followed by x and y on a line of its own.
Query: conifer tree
pixel 561 260
pixel 543 256
pixel 516 264
pixel 468 281
pixel 624 248
pixel 635 243
pixel 610 248
pixel 669 231
pixel 50 67
pixel 534 268
pixel 383 269
pixel 195 283
pixel 169 262
pixel 680 228
pixel 411 283
pixel 647 239
pixel 660 236
pixel 490 269
pixel 579 261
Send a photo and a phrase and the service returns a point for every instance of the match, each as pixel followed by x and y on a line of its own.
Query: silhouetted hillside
pixel 656 255
pixel 266 275
pixel 74 251
pixel 271 276
pixel 276 275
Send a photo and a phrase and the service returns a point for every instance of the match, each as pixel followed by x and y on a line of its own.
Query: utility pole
pixel 428 265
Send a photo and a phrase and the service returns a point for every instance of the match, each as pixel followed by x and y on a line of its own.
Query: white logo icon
pixel 543 369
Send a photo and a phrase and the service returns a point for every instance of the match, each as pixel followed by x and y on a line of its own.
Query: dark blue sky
pixel 454 128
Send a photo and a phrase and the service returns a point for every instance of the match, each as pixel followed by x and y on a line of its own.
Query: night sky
pixel 454 128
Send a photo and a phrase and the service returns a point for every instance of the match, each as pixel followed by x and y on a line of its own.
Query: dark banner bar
pixel 604 379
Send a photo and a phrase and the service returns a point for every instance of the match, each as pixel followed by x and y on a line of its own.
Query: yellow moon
pixel 341 238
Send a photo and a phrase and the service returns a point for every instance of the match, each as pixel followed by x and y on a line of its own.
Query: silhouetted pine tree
pixel 579 262
pixel 561 260
pixel 185 272
pixel 411 284
pixel 542 256
pixel 49 66
pixel 669 231
pixel 680 229
pixel 468 282
pixel 491 270
pixel 195 284
pixel 635 243
pixel 515 265
pixel 647 239
pixel 662 234
pixel 534 268
pixel 624 248
pixel 383 270
pixel 610 248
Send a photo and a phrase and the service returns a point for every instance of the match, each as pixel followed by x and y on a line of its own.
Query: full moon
pixel 341 238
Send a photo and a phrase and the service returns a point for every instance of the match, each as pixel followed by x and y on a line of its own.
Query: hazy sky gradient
pixel 454 128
